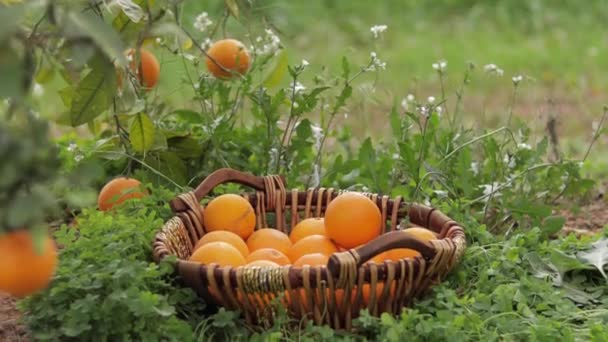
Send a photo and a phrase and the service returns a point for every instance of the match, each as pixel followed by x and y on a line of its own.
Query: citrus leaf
pixel 597 256
pixel 102 34
pixel 11 69
pixel 275 76
pixel 232 7
pixel 132 10
pixel 94 93
pixel 141 133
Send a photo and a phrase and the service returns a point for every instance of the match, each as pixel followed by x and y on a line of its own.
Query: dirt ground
pixel 10 330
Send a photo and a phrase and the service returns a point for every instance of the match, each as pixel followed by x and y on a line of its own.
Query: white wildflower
pixel 315 180
pixel 441 193
pixel 305 63
pixel 295 104
pixel 440 66
pixel 206 44
pixel 524 146
pixel 431 99
pixel 317 134
pixel 396 156
pixel 38 89
pixel 410 97
pixel 475 168
pixel 517 79
pixel 346 115
pixel 493 69
pixel 377 29
pixel 78 157
pixel 404 104
pixel 159 40
pixel 424 110
pixel 510 161
pixel 298 87
pixel 202 22
pixel 491 190
pixel 376 64
pixel 439 110
pixel 72 147
pixel 272 43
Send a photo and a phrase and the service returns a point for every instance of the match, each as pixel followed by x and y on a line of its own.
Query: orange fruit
pixel 366 292
pixel 352 219
pixel 268 254
pixel 378 259
pixel 229 212
pixel 312 244
pixel 313 259
pixel 23 269
pixel 117 191
pixel 224 236
pixel 269 238
pixel 148 70
pixel 307 227
pixel 420 233
pixel 231 54
pixel 263 263
pixel 221 253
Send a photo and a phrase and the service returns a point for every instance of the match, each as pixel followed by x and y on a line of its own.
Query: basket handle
pixel 219 177
pixel 383 243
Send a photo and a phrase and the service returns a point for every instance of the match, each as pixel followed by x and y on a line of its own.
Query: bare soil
pixel 10 329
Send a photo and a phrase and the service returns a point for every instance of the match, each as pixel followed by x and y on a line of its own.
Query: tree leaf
pixel 102 34
pixel 141 133
pixel 232 7
pixel 277 73
pixel 11 69
pixel 132 10
pixel 597 256
pixel 94 93
pixel 553 224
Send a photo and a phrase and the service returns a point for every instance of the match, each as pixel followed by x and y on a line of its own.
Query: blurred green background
pixel 560 46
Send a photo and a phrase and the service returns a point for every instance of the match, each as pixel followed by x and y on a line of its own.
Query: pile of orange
pixel 350 220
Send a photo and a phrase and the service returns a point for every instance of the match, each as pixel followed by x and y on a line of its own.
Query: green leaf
pixel 185 147
pixel 141 133
pixel 597 256
pixel 94 93
pixel 232 7
pixel 277 73
pixel 102 34
pixel 132 10
pixel 553 224
pixel 12 71
pixel 345 68
pixel 527 207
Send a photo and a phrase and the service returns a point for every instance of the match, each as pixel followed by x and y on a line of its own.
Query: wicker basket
pixel 312 290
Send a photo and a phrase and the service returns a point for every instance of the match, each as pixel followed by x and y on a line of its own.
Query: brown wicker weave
pixel 312 290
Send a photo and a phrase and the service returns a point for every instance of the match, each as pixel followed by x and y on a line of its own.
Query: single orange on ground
pixel 224 236
pixel 268 254
pixel 23 269
pixel 312 244
pixel 119 190
pixel 263 263
pixel 229 212
pixel 227 57
pixel 269 238
pixel 313 259
pixel 420 233
pixel 307 227
pixel 221 253
pixel 351 219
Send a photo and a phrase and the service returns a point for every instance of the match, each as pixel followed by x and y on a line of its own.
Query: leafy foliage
pixel 106 287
